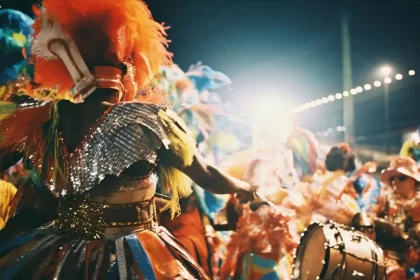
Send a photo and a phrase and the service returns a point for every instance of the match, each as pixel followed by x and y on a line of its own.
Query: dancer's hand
pixel 246 193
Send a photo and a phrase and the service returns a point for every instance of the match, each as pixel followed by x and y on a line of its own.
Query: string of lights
pixel 331 131
pixel 347 93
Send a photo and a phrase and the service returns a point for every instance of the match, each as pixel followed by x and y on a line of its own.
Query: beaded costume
pixel 83 242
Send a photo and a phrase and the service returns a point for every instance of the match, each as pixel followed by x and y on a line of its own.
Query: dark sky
pixel 289 48
pixel 293 48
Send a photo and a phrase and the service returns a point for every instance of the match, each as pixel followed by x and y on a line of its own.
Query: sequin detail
pixel 129 132
pixel 78 217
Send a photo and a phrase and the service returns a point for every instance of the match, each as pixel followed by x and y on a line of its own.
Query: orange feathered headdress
pixel 107 33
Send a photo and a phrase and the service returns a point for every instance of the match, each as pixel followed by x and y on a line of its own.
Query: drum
pixel 333 251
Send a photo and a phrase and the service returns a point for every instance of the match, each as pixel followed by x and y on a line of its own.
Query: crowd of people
pixel 117 164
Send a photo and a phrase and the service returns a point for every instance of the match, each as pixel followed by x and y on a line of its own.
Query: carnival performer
pixel 103 156
pixel 257 246
pixel 332 195
pixel 273 232
pixel 400 207
pixel 367 187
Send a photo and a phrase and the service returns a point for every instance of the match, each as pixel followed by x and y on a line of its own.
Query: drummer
pixel 402 204
pixel 404 179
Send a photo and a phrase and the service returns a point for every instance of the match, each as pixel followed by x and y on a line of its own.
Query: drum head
pixel 310 254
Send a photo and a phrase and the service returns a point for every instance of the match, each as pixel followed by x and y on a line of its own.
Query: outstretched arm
pixel 209 177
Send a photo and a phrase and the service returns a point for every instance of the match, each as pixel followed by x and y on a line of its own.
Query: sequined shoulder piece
pixel 129 132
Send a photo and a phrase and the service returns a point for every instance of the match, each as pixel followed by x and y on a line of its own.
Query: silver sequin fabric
pixel 129 132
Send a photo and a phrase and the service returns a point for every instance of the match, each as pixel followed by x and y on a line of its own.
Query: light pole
pixel 386 71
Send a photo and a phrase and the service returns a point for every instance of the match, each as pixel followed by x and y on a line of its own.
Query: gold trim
pixel 80 217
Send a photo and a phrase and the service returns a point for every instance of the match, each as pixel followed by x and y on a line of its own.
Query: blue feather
pixel 14 24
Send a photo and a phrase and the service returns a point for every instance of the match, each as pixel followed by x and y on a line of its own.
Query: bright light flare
pixel 411 72
pixel 377 83
pixel 386 70
pixel 346 93
pixel 398 77
pixel 359 89
pixel 353 91
pixel 387 80
pixel 273 112
pixel 331 98
pixel 338 96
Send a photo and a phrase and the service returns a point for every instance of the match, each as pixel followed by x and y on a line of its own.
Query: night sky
pixel 291 49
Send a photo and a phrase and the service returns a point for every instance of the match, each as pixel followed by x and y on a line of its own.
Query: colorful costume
pixel 15 73
pixel 32 200
pixel 72 40
pixel 191 231
pixel 411 147
pixel 402 214
pixel 257 246
pixel 334 203
pixel 245 260
pixel 193 227
pixel 7 192
pixel 306 153
pixel 367 187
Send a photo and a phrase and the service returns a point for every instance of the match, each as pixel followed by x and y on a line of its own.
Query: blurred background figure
pixel 411 147
pixel 399 232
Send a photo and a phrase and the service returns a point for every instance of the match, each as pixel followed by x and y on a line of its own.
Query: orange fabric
pixel 23 125
pixel 164 263
pixel 257 232
pixel 189 230
pixel 109 77
pixel 106 32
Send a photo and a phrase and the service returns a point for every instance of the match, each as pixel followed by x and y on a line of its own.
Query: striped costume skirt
pixel 46 253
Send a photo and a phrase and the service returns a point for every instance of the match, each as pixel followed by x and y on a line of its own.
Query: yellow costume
pixel 7 192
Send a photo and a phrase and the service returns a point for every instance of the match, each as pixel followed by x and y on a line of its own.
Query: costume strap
pixel 53 43
pixel 109 77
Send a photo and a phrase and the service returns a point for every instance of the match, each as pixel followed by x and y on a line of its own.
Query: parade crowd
pixel 117 164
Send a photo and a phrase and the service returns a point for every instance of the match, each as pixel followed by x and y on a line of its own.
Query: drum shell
pixel 347 254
